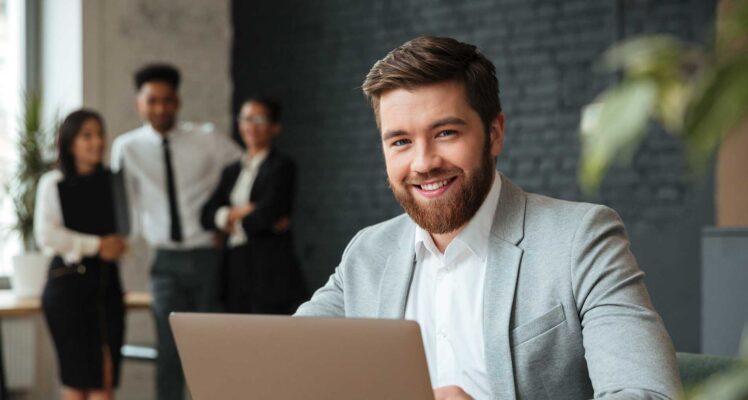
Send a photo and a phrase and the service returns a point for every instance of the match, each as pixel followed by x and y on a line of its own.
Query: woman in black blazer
pixel 252 205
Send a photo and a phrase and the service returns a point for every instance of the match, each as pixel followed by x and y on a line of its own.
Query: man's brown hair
pixel 426 60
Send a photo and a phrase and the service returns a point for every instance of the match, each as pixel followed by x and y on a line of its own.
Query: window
pixel 11 87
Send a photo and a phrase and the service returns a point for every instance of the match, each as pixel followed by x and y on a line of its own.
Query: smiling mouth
pixel 435 185
pixel 434 188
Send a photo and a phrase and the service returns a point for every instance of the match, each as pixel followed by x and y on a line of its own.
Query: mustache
pixel 416 178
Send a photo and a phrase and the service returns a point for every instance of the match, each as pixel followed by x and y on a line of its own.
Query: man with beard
pixel 170 170
pixel 518 295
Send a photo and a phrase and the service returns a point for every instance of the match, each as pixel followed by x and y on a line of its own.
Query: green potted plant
pixel 697 94
pixel 700 96
pixel 34 145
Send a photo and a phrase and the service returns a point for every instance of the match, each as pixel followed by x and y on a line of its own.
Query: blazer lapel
pixel 262 173
pixel 397 276
pixel 504 258
pixel 227 186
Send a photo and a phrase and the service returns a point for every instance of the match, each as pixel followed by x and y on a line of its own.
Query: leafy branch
pixel 697 94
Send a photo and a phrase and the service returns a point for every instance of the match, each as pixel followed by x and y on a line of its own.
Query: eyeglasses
pixel 259 120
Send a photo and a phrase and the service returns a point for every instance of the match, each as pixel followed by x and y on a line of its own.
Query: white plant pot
pixel 29 274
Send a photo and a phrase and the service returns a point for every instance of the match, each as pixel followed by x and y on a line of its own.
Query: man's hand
pixel 451 393
pixel 111 247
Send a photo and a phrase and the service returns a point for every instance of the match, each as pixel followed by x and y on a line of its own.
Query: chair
pixel 696 368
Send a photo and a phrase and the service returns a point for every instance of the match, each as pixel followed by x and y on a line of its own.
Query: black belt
pixel 67 270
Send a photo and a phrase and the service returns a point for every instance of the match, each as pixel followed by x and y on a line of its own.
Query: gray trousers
pixel 181 280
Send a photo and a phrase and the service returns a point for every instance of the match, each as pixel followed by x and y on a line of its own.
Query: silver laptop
pixel 230 356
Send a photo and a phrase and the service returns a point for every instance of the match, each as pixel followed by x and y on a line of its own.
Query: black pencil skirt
pixel 84 308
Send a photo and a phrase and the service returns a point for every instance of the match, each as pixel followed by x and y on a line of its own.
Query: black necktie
pixel 176 223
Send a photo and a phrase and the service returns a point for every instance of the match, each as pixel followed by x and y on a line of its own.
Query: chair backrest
pixel 696 368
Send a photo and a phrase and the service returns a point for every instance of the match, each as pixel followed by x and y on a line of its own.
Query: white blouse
pixel 50 231
pixel 240 196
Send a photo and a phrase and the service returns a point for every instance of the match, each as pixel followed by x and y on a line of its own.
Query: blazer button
pixel 81 269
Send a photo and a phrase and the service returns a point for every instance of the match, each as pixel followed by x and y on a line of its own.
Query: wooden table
pixel 12 306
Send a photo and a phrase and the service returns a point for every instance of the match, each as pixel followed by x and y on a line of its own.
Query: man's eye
pixel 400 142
pixel 446 133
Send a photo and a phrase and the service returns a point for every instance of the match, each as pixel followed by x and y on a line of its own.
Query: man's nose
pixel 426 159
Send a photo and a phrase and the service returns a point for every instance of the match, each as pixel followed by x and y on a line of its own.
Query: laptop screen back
pixel 229 356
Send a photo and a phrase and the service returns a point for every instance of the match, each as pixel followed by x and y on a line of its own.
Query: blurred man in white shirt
pixel 170 169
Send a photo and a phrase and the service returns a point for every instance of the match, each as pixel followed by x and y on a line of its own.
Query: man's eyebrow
pixel 392 134
pixel 448 121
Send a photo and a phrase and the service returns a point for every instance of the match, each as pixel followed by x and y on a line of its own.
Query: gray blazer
pixel 566 312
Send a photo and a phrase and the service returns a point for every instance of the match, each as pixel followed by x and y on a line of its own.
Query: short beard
pixel 450 212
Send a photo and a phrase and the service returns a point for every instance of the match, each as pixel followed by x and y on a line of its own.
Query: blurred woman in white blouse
pixel 82 299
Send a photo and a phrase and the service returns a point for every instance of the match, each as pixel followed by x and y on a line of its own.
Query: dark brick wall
pixel 315 54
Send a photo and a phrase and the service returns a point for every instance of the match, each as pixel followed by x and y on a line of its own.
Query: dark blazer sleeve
pixel 220 196
pixel 274 198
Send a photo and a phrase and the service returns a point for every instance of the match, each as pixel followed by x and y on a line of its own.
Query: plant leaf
pixel 718 106
pixel 613 128
pixel 644 56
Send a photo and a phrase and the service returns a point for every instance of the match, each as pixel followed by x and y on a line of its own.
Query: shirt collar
pixel 253 162
pixel 475 234
pixel 424 242
pixel 153 133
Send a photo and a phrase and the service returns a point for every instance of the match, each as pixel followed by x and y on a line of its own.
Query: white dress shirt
pixel 446 299
pixel 198 155
pixel 49 229
pixel 240 196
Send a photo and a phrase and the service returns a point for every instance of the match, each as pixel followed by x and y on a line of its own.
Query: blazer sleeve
pixel 275 202
pixel 628 351
pixel 329 300
pixel 219 198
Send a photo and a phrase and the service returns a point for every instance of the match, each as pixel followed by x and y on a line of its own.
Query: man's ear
pixel 496 133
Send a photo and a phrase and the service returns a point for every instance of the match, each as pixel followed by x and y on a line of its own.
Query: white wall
pixel 62 60
pixel 90 49
pixel 122 35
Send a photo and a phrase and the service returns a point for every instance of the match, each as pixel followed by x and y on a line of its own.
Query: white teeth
pixel 435 185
